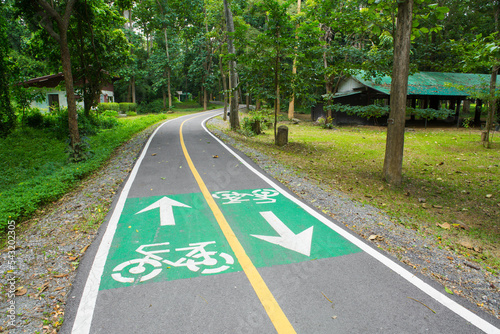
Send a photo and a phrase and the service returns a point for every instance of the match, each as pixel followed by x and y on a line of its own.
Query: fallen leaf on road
pixel 59 288
pixel 60 275
pixel 84 249
pixel 153 154
pixel 20 291
pixel 215 156
pixel 42 289
pixel 446 226
pixel 375 237
pixel 459 224
pixel 448 290
pixel 466 244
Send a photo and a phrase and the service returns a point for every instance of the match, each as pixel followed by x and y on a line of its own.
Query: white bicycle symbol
pixel 150 266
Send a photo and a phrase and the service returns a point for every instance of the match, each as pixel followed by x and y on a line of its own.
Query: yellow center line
pixel 274 311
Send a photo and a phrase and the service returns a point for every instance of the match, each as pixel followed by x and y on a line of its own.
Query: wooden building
pixel 52 88
pixel 425 90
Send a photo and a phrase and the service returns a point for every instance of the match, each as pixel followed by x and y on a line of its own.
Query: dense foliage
pixel 159 47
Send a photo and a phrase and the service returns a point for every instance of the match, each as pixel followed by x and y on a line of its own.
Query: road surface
pixel 200 240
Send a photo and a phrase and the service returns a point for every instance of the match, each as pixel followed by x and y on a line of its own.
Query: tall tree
pixel 291 105
pixel 7 117
pixel 99 47
pixel 234 119
pixel 393 162
pixel 55 19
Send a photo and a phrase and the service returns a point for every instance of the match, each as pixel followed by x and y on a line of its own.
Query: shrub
pixel 57 122
pixel 107 122
pixel 256 122
pixel 110 113
pixel 126 106
pixel 131 113
pixel 34 119
pixel 155 106
pixel 101 107
pixel 326 123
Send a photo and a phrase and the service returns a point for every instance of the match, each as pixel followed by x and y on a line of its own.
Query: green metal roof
pixel 430 83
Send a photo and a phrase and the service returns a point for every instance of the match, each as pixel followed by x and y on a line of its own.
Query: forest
pixel 156 48
pixel 285 55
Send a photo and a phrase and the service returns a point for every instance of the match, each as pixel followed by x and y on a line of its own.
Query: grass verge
pixel 451 187
pixel 37 170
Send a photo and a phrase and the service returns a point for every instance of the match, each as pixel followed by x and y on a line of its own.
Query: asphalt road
pixel 201 240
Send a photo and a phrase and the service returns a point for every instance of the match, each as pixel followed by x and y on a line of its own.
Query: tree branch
pixel 67 13
pixel 46 23
pixel 50 10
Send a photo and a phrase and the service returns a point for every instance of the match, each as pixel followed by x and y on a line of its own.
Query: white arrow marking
pixel 166 212
pixel 300 243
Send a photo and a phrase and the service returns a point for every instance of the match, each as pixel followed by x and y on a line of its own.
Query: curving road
pixel 200 240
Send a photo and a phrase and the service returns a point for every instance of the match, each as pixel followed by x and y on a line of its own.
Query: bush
pixel 326 123
pixel 126 106
pixel 131 113
pixel 155 106
pixel 256 122
pixel 110 113
pixel 430 114
pixel 101 107
pixel 57 123
pixel 107 122
pixel 34 119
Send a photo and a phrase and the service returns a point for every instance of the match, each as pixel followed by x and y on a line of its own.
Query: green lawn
pixel 448 177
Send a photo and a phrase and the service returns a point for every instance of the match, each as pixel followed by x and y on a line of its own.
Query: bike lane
pixel 173 267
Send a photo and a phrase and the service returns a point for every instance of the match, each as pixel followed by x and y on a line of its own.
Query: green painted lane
pixel 162 238
pixel 144 251
pixel 274 230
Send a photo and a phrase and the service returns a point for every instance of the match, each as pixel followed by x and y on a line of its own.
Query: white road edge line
pixel 429 290
pixel 85 313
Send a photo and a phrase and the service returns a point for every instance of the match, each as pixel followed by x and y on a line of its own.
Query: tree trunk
pixel 477 113
pixel 233 115
pixel 205 99
pixel 224 87
pixel 457 112
pixel 132 88
pixel 277 100
pixel 393 162
pixel 328 84
pixel 248 99
pixel 164 98
pixel 132 80
pixel 291 105
pixel 168 71
pixel 62 39
pixel 493 106
pixel 70 92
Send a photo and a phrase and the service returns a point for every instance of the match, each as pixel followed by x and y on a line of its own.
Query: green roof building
pixel 425 90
